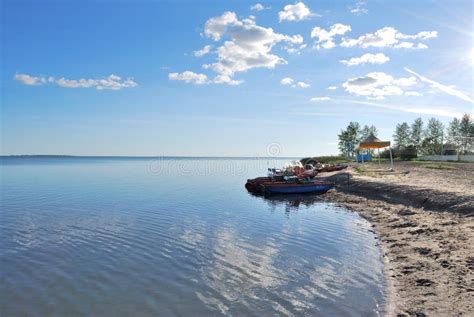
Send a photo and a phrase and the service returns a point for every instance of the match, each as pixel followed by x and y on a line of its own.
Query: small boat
pixel 300 187
pixel 292 179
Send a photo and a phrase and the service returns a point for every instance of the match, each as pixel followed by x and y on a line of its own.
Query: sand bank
pixel 425 222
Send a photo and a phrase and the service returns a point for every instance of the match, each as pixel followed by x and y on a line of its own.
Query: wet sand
pixel 425 223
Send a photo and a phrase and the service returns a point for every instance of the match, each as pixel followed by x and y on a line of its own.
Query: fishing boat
pixel 292 178
pixel 253 184
pixel 299 187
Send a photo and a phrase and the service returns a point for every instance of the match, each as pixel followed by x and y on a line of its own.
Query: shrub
pixel 408 153
pixel 386 154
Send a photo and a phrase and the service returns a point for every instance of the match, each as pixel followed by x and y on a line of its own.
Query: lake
pixel 176 237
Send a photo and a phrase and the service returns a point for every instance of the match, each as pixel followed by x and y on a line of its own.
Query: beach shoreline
pixel 426 232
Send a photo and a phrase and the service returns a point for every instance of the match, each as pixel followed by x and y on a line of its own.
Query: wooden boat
pixel 295 187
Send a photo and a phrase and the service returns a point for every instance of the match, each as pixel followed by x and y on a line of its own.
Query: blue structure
pixel 361 158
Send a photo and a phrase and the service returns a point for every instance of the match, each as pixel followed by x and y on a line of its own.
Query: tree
pixel 402 136
pixel 466 129
pixel 349 138
pixel 454 136
pixel 368 131
pixel 433 137
pixel 416 136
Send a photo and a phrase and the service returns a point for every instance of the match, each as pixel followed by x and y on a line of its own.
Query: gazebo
pixel 373 142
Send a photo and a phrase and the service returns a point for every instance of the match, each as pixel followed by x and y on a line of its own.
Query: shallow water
pixel 109 236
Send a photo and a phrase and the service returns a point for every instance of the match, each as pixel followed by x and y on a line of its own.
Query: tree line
pixel 416 138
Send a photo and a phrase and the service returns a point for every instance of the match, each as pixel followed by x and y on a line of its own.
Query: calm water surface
pixel 175 237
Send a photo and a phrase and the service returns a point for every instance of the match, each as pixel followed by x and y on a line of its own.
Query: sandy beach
pixel 424 220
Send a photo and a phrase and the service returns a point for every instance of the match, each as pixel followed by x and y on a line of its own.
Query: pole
pixel 378 153
pixel 391 159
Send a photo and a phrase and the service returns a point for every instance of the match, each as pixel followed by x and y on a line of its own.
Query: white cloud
pixel 112 82
pixel 203 51
pixel 257 7
pixel 418 109
pixel 286 81
pixel 332 87
pixel 324 38
pixel 301 84
pixel 378 85
pixel 224 79
pixel 245 45
pixel 389 37
pixel 368 58
pixel 189 77
pixel 30 80
pixel 359 8
pixel 450 90
pixel 413 94
pixel 316 99
pixel 295 12
pixel 249 45
pixel 291 49
pixel 216 27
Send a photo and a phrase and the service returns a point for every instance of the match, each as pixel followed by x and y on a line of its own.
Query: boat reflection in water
pixel 290 201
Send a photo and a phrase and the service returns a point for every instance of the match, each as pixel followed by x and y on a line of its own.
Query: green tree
pixel 433 137
pixel 416 136
pixel 349 138
pixel 367 131
pixel 454 136
pixel 401 137
pixel 466 129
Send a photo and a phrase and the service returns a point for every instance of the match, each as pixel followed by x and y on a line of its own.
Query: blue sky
pixel 226 78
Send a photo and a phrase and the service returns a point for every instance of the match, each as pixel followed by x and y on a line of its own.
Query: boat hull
pixel 319 188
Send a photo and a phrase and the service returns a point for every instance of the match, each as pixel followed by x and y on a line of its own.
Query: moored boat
pixel 295 187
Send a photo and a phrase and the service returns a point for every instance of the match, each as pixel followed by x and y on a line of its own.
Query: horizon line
pixel 146 156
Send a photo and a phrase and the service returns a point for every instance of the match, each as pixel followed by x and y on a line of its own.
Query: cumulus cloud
pixel 295 12
pixel 203 51
pixel 390 37
pixel 244 46
pixel 189 77
pixel 216 27
pixel 112 82
pixel 301 84
pixel 359 8
pixel 29 80
pixel 450 90
pixel 325 38
pixel 332 87
pixel 368 58
pixel 248 45
pixel 316 99
pixel 257 7
pixel 224 79
pixel 378 85
pixel 286 81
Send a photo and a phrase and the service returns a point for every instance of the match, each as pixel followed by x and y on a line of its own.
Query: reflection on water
pixel 290 201
pixel 111 238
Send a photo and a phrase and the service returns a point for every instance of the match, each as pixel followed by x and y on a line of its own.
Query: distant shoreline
pixel 150 157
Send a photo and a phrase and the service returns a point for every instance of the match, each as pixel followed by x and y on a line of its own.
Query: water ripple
pixel 112 239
